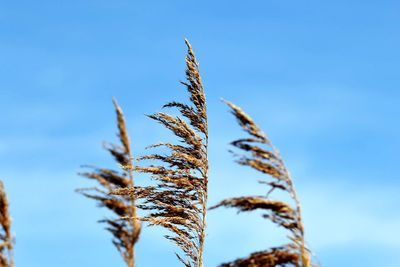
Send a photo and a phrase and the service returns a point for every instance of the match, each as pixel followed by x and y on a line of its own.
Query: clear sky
pixel 320 77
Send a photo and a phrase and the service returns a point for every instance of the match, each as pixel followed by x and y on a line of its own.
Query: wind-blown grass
pixel 6 239
pixel 125 232
pixel 261 155
pixel 179 200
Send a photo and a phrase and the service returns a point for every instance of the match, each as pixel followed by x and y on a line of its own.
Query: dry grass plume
pixel 179 200
pixel 260 154
pixel 125 232
pixel 6 239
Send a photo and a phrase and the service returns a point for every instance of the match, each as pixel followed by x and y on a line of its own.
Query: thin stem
pixel 293 193
pixel 305 258
pixel 133 210
pixel 205 196
pixel 204 215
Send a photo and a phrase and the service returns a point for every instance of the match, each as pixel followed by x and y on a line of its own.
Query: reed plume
pixel 6 239
pixel 178 202
pixel 261 155
pixel 125 232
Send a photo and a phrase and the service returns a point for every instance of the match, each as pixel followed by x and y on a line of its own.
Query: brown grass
pixel 178 201
pixel 261 155
pixel 125 232
pixel 6 239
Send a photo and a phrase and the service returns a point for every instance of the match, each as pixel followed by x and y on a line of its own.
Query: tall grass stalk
pixel 6 239
pixel 260 154
pixel 179 200
pixel 125 232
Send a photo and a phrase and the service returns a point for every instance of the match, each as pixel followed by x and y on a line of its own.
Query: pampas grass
pixel 260 154
pixel 125 232
pixel 179 200
pixel 6 239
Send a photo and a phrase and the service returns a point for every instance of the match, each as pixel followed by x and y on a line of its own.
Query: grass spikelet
pixel 178 202
pixel 280 256
pixel 125 232
pixel 6 239
pixel 260 154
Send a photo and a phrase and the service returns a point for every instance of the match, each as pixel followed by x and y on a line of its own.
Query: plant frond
pixel 282 256
pixel 6 239
pixel 178 201
pixel 125 232
pixel 260 155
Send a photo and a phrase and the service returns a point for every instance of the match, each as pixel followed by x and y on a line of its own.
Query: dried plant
pixel 6 239
pixel 178 201
pixel 261 155
pixel 125 232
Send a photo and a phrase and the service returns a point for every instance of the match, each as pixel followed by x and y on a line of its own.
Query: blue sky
pixel 320 77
